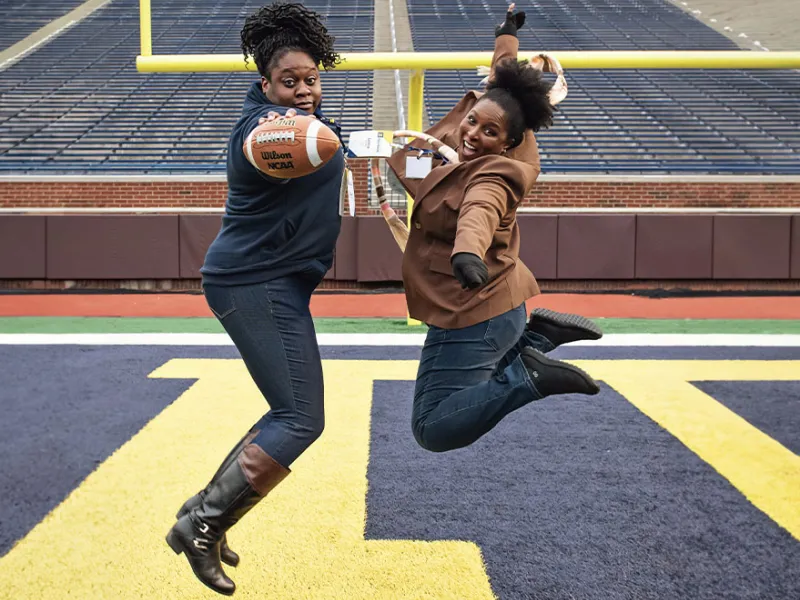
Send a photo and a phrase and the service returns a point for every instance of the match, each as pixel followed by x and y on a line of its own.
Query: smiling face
pixel 483 131
pixel 294 82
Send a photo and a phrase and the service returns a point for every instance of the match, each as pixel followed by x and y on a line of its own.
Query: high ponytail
pixel 274 30
pixel 522 92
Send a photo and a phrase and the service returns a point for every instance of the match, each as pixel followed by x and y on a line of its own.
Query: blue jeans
pixel 270 324
pixel 470 378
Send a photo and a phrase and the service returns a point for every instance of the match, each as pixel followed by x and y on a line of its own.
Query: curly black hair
pixel 522 93
pixel 274 30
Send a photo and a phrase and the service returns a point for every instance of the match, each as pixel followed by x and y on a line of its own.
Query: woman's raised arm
pixel 506 44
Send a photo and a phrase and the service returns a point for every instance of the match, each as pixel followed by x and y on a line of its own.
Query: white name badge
pixel 351 194
pixel 347 189
pixel 370 144
pixel 418 167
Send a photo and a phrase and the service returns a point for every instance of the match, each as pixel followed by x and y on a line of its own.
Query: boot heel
pixel 174 543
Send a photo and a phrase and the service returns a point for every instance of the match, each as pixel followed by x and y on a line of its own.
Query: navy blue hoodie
pixel 273 227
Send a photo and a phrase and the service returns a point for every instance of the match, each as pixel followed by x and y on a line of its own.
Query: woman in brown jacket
pixel 461 267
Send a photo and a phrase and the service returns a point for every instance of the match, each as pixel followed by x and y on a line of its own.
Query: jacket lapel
pixel 434 178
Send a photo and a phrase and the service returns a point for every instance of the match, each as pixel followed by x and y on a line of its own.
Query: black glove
pixel 514 21
pixel 470 270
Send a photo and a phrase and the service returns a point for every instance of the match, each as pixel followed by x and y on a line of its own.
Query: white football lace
pixel 275 136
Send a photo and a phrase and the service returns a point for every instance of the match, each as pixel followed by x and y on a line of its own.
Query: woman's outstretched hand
pixel 513 22
pixel 272 115
pixel 469 270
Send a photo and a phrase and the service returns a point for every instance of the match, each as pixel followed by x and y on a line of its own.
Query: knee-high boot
pixel 228 556
pixel 235 491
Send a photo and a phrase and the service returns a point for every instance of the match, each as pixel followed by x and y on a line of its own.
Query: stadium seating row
pixel 78 104
pixel 651 121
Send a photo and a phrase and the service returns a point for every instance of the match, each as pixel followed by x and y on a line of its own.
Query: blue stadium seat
pixel 655 121
pixel 78 104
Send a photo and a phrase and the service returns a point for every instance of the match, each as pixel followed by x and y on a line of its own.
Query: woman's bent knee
pixel 304 430
pixel 428 439
pixel 310 429
pixel 313 428
pixel 317 429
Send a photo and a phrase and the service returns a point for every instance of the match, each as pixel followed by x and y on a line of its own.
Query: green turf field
pixel 330 325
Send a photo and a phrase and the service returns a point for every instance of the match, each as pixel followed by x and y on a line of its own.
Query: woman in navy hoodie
pixel 275 245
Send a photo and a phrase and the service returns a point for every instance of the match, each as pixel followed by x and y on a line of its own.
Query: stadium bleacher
pixel 697 121
pixel 78 104
pixel 22 17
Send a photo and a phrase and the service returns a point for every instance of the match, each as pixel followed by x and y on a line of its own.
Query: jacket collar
pixel 467 170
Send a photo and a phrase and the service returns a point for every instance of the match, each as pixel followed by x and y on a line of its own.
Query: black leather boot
pixel 226 500
pixel 551 377
pixel 228 556
pixel 562 328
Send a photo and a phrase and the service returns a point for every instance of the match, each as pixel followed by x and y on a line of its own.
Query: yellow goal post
pixel 419 62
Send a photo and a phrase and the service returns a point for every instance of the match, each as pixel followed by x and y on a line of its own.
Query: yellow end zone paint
pixel 106 540
pixel 765 471
pixel 305 540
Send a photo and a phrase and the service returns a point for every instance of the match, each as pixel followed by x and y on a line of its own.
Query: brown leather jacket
pixel 468 207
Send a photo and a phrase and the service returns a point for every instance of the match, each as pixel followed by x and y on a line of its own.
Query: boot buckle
pixel 201 544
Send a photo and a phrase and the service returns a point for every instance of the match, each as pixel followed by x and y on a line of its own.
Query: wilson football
pixel 287 148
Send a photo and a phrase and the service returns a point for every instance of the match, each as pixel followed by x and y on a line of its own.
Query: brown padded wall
pixel 112 247
pixel 379 258
pixel 198 231
pixel 751 246
pixel 196 234
pixel 596 246
pixel 674 246
pixel 566 246
pixel 22 247
pixel 347 251
pixel 795 259
pixel 539 244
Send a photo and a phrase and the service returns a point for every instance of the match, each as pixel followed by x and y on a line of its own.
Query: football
pixel 287 148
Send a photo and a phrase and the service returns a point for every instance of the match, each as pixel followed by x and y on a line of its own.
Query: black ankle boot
pixel 562 328
pixel 200 544
pixel 552 377
pixel 228 556
pixel 226 500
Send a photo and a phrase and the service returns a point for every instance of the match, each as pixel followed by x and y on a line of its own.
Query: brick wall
pixel 679 194
pixel 550 192
pixel 107 194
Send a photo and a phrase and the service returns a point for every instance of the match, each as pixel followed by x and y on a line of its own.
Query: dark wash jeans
pixel 470 378
pixel 270 324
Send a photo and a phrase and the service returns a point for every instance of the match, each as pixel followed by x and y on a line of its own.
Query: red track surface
pixel 393 305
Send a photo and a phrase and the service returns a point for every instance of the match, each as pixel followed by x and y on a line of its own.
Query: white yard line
pixel 386 339
pixel 697 14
